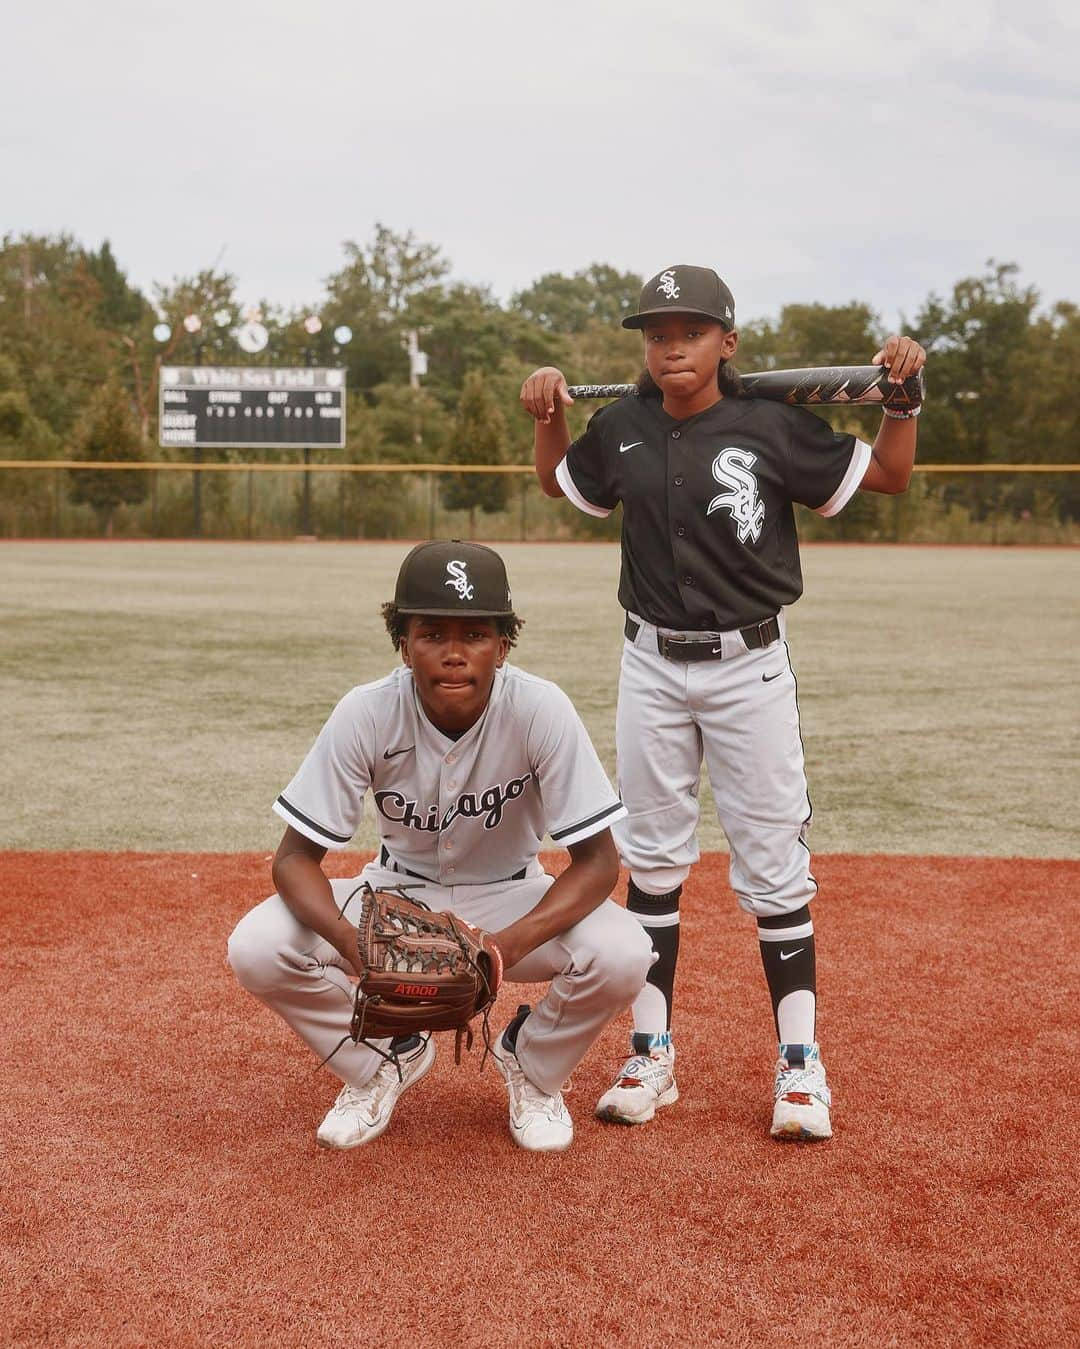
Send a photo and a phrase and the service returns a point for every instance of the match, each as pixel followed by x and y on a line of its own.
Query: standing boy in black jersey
pixel 710 559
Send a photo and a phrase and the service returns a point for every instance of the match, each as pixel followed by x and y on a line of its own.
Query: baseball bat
pixel 862 384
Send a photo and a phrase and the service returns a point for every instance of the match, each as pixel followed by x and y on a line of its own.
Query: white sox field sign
pixel 226 407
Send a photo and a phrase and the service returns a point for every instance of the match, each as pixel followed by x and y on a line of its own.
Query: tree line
pixel 79 364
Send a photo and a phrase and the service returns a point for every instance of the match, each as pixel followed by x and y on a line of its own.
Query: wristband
pixel 902 415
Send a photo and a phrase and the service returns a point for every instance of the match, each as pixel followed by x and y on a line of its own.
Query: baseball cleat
pixel 802 1099
pixel 362 1113
pixel 538 1122
pixel 644 1084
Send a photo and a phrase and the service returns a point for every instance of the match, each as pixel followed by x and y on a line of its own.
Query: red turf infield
pixel 162 1185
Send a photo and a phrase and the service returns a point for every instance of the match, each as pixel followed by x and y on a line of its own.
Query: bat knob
pixel 909 394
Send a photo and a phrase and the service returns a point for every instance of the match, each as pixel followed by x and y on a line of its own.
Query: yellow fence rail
pixel 203 467
pixel 143 466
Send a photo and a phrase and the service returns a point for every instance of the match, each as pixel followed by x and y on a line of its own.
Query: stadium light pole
pixel 161 332
pixel 192 325
pixel 418 365
pixel 312 325
pixel 343 335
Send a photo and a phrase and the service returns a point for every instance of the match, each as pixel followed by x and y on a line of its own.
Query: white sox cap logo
pixel 731 468
pixel 668 287
pixel 459 579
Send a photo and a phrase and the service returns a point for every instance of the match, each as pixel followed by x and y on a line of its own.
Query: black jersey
pixel 708 530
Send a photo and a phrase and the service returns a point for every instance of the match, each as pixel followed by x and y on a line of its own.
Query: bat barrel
pixel 860 384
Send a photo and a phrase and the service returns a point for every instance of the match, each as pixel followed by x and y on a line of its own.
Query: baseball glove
pixel 420 971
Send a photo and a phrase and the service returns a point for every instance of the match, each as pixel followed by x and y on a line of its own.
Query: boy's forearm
pixel 894 452
pixel 309 897
pixel 582 887
pixel 551 440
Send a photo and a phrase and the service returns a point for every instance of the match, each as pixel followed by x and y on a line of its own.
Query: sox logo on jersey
pixel 731 468
pixel 459 579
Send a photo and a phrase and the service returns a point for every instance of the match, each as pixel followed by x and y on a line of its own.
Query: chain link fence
pixel 996 504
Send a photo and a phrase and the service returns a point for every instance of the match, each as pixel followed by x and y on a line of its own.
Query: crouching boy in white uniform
pixel 470 762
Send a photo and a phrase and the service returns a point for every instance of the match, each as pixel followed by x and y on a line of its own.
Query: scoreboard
pixel 225 407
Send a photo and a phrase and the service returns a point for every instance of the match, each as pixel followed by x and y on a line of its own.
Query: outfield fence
pixel 53 498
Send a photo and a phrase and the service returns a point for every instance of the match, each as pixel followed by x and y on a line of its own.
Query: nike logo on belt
pixel 623 448
pixel 393 753
pixel 786 955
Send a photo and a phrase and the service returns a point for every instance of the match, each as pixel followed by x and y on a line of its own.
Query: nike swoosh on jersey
pixel 623 448
pixel 768 679
pixel 392 754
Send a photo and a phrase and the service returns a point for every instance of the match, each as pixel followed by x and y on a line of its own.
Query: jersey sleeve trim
pixel 849 484
pixel 586 828
pixel 316 832
pixel 573 494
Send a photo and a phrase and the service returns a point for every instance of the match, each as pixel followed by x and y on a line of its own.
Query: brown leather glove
pixel 420 971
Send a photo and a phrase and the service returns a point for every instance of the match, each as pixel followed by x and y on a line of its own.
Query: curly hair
pixel 397 624
pixel 728 381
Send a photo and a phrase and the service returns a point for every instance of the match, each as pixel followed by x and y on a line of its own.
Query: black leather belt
pixel 681 649
pixel 386 861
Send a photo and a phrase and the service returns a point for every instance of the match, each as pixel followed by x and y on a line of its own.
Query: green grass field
pixel 159 695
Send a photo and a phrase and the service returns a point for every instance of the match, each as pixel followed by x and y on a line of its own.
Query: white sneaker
pixel 802 1098
pixel 362 1113
pixel 538 1122
pixel 644 1084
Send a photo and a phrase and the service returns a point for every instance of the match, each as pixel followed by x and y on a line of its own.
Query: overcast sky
pixel 827 152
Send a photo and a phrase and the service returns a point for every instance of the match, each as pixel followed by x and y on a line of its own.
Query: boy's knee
pixel 624 958
pixel 770 881
pixel 251 956
pixel 659 880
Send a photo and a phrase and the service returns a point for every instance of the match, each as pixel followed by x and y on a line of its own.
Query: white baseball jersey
pixel 459 812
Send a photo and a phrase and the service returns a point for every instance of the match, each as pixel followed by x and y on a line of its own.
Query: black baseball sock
pixel 510 1034
pixel 787 953
pixel 659 916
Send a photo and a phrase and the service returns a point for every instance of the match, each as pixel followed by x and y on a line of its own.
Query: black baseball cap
pixel 447 577
pixel 684 290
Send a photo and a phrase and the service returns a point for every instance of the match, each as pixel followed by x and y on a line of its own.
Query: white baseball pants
pixel 741 714
pixel 596 969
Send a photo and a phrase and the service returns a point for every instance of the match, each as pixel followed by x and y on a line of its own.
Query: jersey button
pixel 678 482
pixel 675 435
